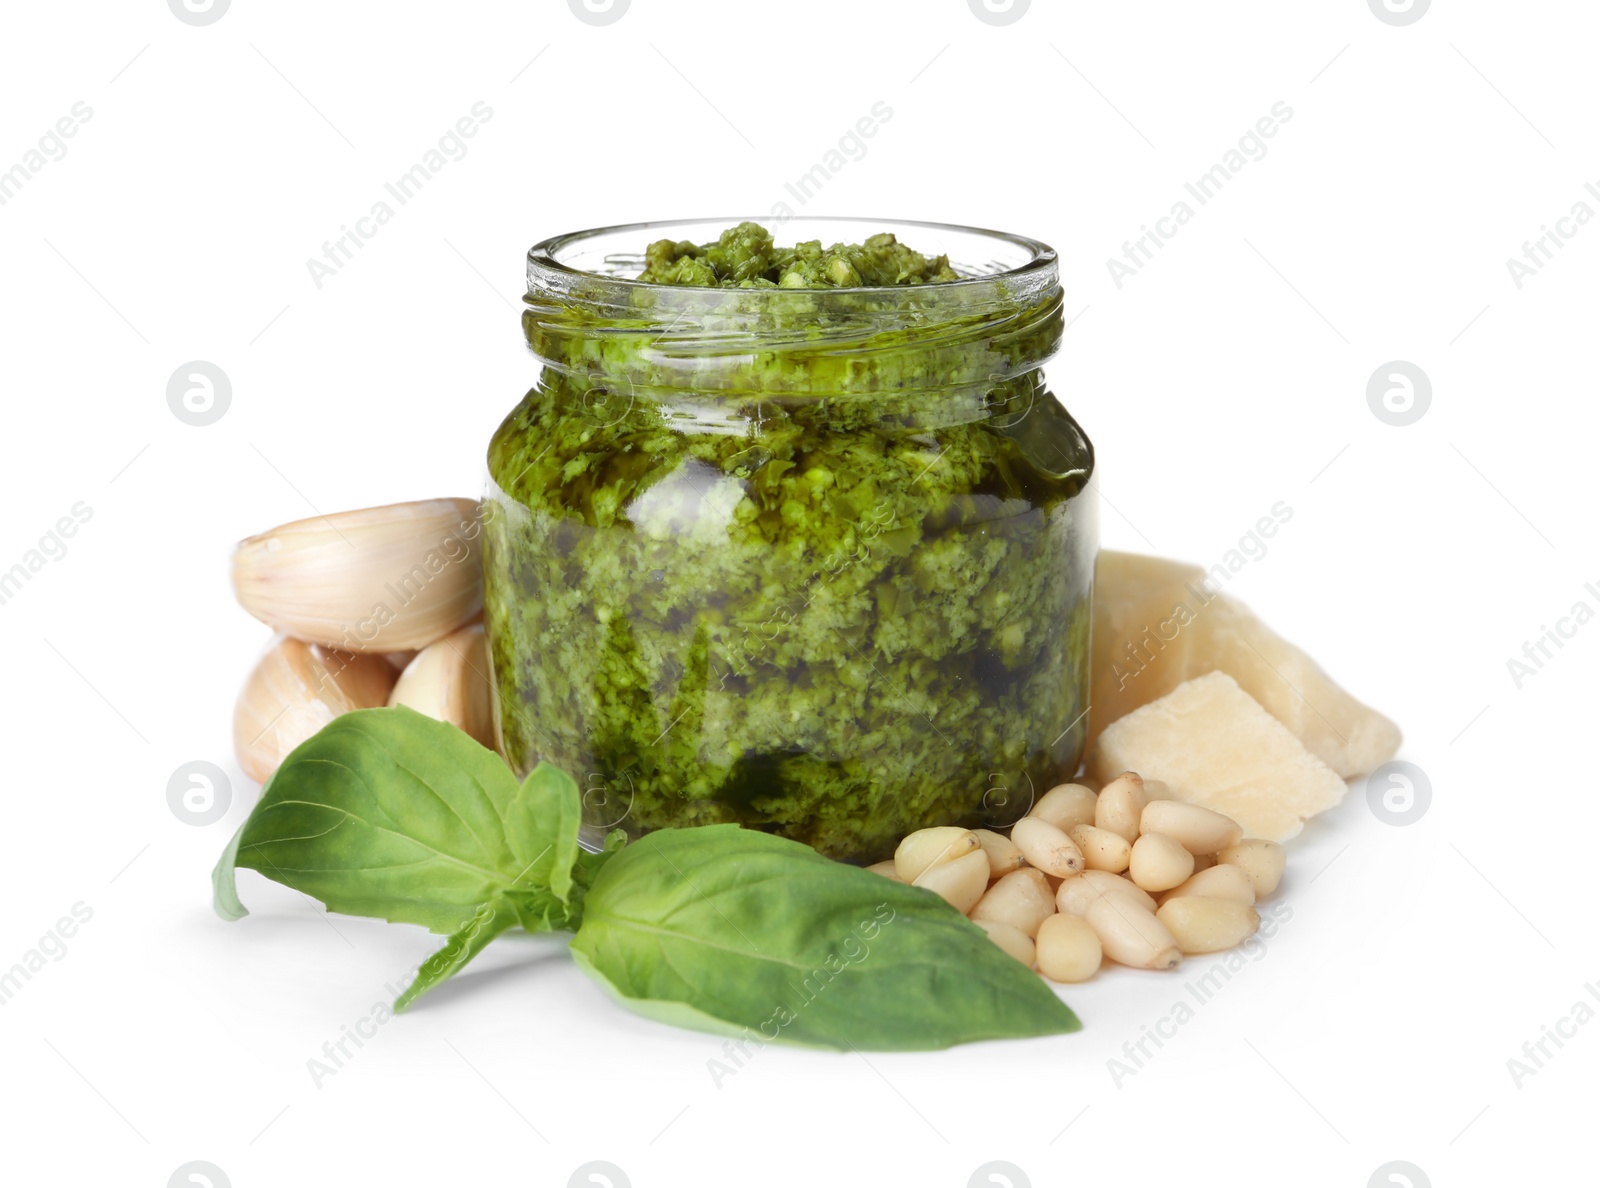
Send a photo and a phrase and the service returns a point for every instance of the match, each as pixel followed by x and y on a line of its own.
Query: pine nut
pixel 1014 941
pixel 1131 935
pixel 1021 899
pixel 1261 860
pixel 1121 801
pixel 1047 847
pixel 1076 894
pixel 1159 862
pixel 929 847
pixel 1223 881
pixel 1068 949
pixel 1119 885
pixel 1102 849
pixel 1004 857
pixel 1198 829
pixel 886 869
pixel 1202 924
pixel 960 883
pixel 1066 805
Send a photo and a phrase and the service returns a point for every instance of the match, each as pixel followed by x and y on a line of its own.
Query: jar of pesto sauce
pixel 792 536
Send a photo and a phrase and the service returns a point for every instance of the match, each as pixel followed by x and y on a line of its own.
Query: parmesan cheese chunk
pixel 1158 623
pixel 1214 745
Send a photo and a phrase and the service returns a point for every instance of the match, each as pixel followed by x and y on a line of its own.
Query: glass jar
pixel 817 561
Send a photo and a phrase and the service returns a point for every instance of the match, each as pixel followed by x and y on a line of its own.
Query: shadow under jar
pixel 817 561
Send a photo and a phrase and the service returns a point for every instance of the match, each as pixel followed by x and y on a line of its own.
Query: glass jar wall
pixel 817 561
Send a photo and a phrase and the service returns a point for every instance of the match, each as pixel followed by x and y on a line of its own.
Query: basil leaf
pixel 387 813
pixel 542 827
pixel 390 813
pixel 729 929
pixel 224 893
pixel 536 909
pixel 464 944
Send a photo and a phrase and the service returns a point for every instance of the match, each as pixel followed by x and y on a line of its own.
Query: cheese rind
pixel 1214 745
pixel 1157 623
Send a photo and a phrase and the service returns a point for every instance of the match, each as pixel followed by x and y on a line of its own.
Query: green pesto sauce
pixel 837 619
pixel 744 257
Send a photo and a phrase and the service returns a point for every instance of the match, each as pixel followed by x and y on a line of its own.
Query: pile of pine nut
pixel 1127 874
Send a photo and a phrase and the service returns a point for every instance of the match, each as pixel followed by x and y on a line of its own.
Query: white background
pixel 1227 375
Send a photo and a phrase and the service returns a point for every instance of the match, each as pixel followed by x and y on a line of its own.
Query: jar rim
pixel 1037 270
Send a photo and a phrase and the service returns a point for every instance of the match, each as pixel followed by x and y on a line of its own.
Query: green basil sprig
pixel 391 814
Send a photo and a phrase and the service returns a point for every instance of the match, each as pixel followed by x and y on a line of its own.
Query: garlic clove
pixel 380 579
pixel 449 681
pixel 294 691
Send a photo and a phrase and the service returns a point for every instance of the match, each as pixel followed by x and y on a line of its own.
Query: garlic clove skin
pixel 449 681
pixel 379 579
pixel 294 691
